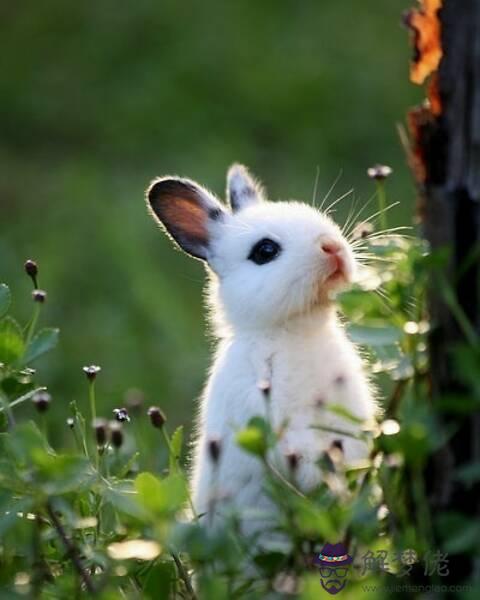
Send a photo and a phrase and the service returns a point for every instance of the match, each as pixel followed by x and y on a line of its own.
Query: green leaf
pixel 176 442
pixel 253 440
pixel 11 476
pixel 159 581
pixel 270 562
pixel 125 500
pixel 26 444
pixel 469 473
pixel 5 299
pixel 213 587
pixel 11 340
pixel 9 509
pixel 460 534
pixel 125 469
pixel 313 522
pixel 162 497
pixel 374 336
pixel 42 342
pixel 64 473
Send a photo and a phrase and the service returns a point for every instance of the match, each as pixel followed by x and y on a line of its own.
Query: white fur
pixel 276 322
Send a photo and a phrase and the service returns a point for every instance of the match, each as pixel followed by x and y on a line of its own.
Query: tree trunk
pixel 447 147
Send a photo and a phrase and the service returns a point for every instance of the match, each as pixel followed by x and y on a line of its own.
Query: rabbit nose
pixel 331 246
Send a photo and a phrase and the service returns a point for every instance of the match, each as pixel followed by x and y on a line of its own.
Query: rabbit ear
pixel 186 210
pixel 242 189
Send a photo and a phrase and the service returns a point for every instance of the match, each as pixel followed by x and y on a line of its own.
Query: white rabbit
pixel 274 268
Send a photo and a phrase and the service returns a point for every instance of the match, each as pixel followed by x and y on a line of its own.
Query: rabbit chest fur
pixel 308 364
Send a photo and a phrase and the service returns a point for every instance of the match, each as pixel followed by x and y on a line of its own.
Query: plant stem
pixel 44 428
pixel 77 440
pixel 170 451
pixel 33 323
pixel 93 414
pixel 5 406
pixel 182 572
pixel 382 203
pixel 91 397
pixel 71 550
pixel 276 473
pixel 457 311
pixel 22 398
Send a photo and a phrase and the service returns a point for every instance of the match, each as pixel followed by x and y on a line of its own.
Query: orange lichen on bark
pixel 425 25
pixel 433 95
pixel 419 121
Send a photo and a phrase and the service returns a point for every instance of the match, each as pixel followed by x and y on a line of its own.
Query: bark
pixel 449 146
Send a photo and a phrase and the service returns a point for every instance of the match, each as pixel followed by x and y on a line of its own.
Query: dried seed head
pixel 121 414
pixel 41 401
pixel 214 449
pixel 157 417
pixel 292 460
pixel 91 371
pixel 39 296
pixel 100 427
pixel 379 172
pixel 71 422
pixel 116 434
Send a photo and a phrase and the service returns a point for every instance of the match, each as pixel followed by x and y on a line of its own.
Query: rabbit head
pixel 270 260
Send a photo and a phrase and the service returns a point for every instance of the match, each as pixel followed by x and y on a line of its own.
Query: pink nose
pixel 331 247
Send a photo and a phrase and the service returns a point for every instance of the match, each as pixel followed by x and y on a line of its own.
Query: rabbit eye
pixel 264 251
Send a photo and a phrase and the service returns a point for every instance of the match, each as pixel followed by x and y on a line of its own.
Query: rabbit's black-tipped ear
pixel 187 211
pixel 242 189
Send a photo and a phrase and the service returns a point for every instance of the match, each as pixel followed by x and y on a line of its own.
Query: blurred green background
pixel 98 98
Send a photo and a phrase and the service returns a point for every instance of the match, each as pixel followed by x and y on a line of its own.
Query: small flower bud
pixel 91 372
pixel 31 269
pixel 265 387
pixel 116 434
pixel 362 230
pixel 157 417
pixel 214 449
pixel 335 452
pixel 71 422
pixel 41 401
pixel 338 444
pixel 379 172
pixel 121 414
pixel 39 296
pixel 292 460
pixel 25 376
pixel 100 427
